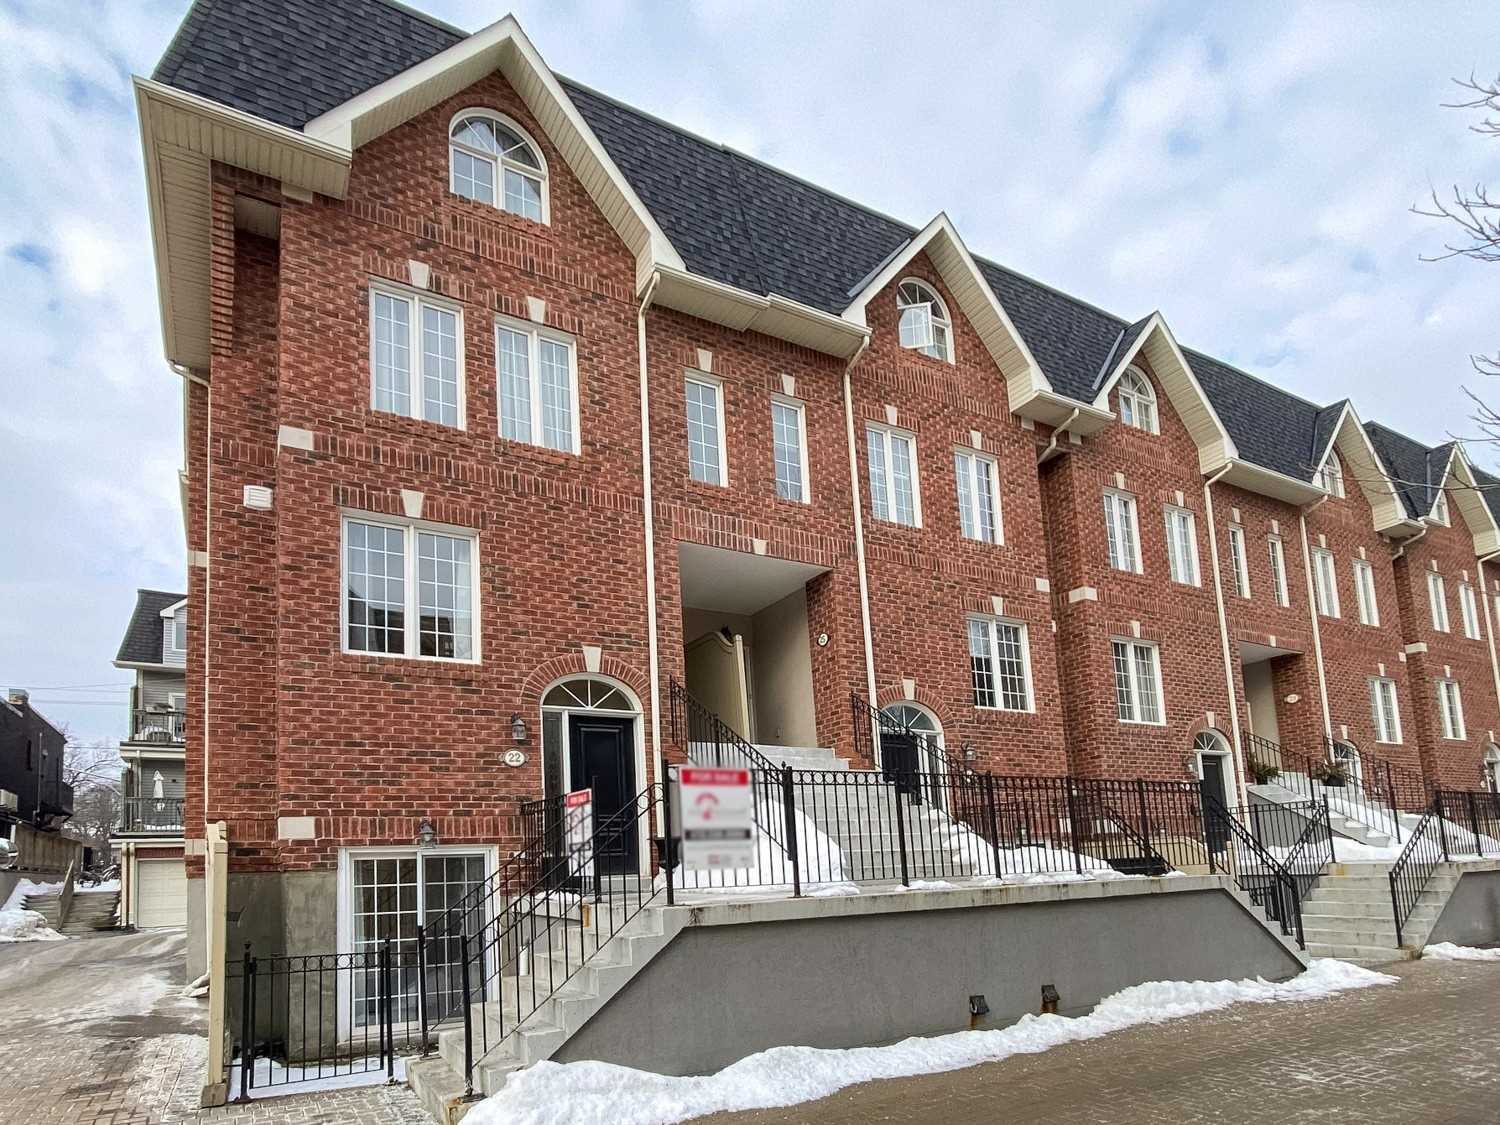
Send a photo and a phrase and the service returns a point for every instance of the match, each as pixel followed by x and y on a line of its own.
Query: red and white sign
pixel 718 818
pixel 578 830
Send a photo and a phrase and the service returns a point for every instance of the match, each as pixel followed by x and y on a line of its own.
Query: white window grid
pixel 789 449
pixel 1137 401
pixel 536 373
pixel 1331 476
pixel 924 325
pixel 1000 664
pixel 1182 546
pixel 1437 600
pixel 978 485
pixel 416 356
pixel 1138 692
pixel 1364 593
pixel 409 589
pixel 1469 610
pixel 895 493
pixel 1451 709
pixel 484 146
pixel 1277 555
pixel 708 454
pixel 1238 563
pixel 1325 584
pixel 1384 710
pixel 1440 509
pixel 1122 531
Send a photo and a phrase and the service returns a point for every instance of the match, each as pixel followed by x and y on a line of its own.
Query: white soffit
pixel 1471 504
pixel 1358 456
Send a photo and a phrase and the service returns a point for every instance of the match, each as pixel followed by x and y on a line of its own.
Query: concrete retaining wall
pixel 1472 914
pixel 874 969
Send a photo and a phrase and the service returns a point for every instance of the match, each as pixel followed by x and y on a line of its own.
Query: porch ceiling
pixel 1252 653
pixel 736 581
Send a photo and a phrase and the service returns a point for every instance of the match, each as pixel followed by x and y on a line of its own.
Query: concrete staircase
pixel 1349 915
pixel 1374 830
pixel 90 911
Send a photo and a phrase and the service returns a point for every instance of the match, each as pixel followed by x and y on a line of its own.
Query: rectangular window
pixel 978 479
pixel 416 356
pixel 1000 663
pixel 1122 531
pixel 893 476
pixel 1438 601
pixel 179 630
pixel 789 447
pixel 1451 709
pixel 1182 546
pixel 1278 569
pixel 1325 583
pixel 538 376
pixel 1469 609
pixel 708 459
pixel 1238 563
pixel 1137 682
pixel 1383 710
pixel 382 601
pixel 1364 593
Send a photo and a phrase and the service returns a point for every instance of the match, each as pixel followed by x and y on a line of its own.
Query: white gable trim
pixel 503 46
pixel 970 292
pixel 171 610
pixel 1470 503
pixel 1358 453
pixel 1215 446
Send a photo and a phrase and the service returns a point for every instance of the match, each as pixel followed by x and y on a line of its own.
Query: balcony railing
pixel 151 814
pixel 164 727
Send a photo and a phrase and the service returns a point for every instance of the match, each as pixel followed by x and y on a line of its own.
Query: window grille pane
pixel 439 365
pixel 916 326
pixel 963 472
pixel 901 481
pixel 1124 696
pixel 523 195
pixel 1011 654
pixel 703 432
pixel 515 385
pixel 473 176
pixel 1145 684
pixel 880 502
pixel 981 664
pixel 556 383
pixel 375 579
pixel 392 331
pixel 445 592
pixel 786 448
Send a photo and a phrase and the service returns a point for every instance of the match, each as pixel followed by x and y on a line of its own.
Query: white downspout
pixel 1489 624
pixel 1046 454
pixel 1312 609
pixel 652 651
pixel 1234 705
pixel 859 525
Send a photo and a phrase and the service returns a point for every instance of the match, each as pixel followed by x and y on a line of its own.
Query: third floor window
pixel 538 377
pixel 789 448
pixel 1325 583
pixel 416 356
pixel 1122 532
pixel 1437 601
pixel 978 483
pixel 1364 592
pixel 893 476
pixel 1182 546
pixel 708 459
pixel 1278 569
pixel 1469 609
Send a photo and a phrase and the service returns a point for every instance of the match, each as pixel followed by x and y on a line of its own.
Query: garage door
pixel 161 894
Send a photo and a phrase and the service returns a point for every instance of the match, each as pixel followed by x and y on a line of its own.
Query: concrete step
pixel 1370 935
pixel 1326 908
pixel 1360 954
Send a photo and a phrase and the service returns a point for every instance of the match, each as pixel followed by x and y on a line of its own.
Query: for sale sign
pixel 578 831
pixel 718 818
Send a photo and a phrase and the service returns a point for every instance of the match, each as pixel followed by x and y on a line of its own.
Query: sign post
pixel 718 818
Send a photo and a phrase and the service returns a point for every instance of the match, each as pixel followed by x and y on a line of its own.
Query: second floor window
pixel 789 447
pixel 1278 569
pixel 409 591
pixel 1238 563
pixel 1437 601
pixel 1121 531
pixel 893 476
pixel 708 460
pixel 1383 710
pixel 1182 546
pixel 1364 593
pixel 538 386
pixel 1451 709
pixel 1325 583
pixel 1137 682
pixel 416 356
pixel 1000 664
pixel 1468 608
pixel 492 162
pixel 978 482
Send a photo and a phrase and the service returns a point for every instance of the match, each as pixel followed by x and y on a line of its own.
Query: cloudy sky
pixel 1247 169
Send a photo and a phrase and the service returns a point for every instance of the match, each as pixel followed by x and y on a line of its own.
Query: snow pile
pixel 1351 851
pixel 26 888
pixel 25 925
pixel 1447 951
pixel 833 890
pixel 550 1093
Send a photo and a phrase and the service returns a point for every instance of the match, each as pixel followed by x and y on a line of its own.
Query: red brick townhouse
pixel 509 405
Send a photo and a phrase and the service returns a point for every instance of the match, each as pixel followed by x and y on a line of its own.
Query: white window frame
pixel 1326 583
pixel 1364 593
pixel 889 435
pixel 535 334
pixel 1183 571
pixel 1131 645
pixel 1134 391
pixel 1468 611
pixel 1122 513
pixel 1239 561
pixel 992 626
pixel 979 462
pixel 1276 550
pixel 411 621
pixel 717 386
pixel 937 317
pixel 1382 687
pixel 1331 475
pixel 1437 601
pixel 1451 710
pixel 415 300
pixel 1440 509
pixel 800 409
pixel 171 651
pixel 501 164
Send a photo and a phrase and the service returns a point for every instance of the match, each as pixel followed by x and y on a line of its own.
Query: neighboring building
pixel 35 801
pixel 508 404
pixel 149 839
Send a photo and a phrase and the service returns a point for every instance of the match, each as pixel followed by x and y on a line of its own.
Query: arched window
pixel 491 160
pixel 1137 401
pixel 584 693
pixel 1440 508
pixel 925 326
pixel 912 718
pixel 1492 768
pixel 1331 477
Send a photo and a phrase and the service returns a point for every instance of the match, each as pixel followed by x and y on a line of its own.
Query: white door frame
pixel 1226 763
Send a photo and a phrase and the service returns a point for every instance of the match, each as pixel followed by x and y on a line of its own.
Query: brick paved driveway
pixel 94 1031
pixel 1424 1052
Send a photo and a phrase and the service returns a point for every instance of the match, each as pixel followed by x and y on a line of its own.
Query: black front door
pixel 899 761
pixel 1215 798
pixel 601 757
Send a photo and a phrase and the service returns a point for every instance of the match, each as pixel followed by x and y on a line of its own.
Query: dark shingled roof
pixel 143 636
pixel 1416 469
pixel 732 218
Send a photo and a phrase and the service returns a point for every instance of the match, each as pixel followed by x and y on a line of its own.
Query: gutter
pixel 653 652
pixel 1312 610
pixel 1234 705
pixel 1405 543
pixel 859 524
pixel 1057 432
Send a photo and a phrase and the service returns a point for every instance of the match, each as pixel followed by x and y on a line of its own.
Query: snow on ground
pixel 1447 951
pixel 25 925
pixel 549 1093
pixel 24 889
pixel 1352 851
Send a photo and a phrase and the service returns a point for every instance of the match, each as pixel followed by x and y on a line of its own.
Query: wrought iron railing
pixel 1473 817
pixel 1314 778
pixel 1413 869
pixel 1297 835
pixel 1234 851
pixel 895 747
pixel 157 725
pixel 151 814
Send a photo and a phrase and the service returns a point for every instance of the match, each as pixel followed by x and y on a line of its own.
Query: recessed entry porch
pixel 1262 665
pixel 746 648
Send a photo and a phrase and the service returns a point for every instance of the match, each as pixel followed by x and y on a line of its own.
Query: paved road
pixel 95 1031
pixel 1424 1052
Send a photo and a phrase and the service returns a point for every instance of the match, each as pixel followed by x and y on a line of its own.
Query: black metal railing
pixel 157 725
pixel 1234 851
pixel 894 746
pixel 311 1017
pixel 151 814
pixel 1297 836
pixel 1473 817
pixel 1410 874
pixel 1399 787
pixel 1339 778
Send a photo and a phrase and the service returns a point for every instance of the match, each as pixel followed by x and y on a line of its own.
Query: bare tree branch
pixel 1482 95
